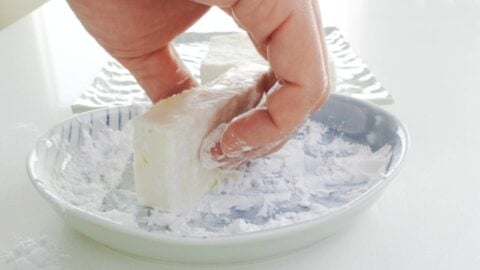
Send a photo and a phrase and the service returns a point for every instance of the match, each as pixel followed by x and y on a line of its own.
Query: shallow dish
pixel 356 121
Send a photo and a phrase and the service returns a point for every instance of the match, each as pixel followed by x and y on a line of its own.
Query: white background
pixel 426 52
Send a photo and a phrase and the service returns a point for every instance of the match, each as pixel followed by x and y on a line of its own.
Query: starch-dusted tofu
pixel 167 139
pixel 227 51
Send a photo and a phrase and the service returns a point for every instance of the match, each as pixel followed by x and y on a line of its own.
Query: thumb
pixel 161 73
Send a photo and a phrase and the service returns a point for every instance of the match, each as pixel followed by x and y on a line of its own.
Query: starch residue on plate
pixel 315 173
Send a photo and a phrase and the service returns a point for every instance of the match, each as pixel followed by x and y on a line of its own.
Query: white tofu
pixel 225 52
pixel 167 139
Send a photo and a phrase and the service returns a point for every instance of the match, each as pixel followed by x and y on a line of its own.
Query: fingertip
pixel 232 141
pixel 251 130
pixel 210 153
pixel 212 156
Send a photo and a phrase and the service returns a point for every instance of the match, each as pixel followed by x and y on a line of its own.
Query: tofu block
pixel 225 52
pixel 167 138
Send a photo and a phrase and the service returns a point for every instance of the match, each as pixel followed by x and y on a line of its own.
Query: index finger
pixel 288 34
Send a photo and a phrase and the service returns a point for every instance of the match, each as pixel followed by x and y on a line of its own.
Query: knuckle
pixel 257 14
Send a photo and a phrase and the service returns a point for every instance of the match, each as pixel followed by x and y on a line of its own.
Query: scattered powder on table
pixel 315 173
pixel 31 254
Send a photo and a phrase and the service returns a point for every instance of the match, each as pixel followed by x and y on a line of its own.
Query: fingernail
pixel 233 145
pixel 210 150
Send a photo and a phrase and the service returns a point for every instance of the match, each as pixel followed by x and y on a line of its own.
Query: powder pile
pixel 31 254
pixel 315 173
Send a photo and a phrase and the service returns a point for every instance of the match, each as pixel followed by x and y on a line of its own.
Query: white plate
pixel 115 86
pixel 356 121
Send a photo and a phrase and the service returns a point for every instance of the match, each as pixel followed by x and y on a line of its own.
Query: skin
pixel 289 34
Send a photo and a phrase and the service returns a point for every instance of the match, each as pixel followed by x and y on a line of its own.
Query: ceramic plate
pixel 353 120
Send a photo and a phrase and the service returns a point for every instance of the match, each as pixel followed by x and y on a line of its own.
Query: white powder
pixel 315 173
pixel 87 174
pixel 31 254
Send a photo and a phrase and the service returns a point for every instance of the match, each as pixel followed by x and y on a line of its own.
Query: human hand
pixel 289 34
pixel 138 33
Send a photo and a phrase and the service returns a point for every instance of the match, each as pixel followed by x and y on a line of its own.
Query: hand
pixel 138 34
pixel 289 34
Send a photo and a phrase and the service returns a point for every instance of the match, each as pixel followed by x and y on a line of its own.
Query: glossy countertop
pixel 425 52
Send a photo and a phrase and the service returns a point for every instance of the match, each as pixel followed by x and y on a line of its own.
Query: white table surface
pixel 426 52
